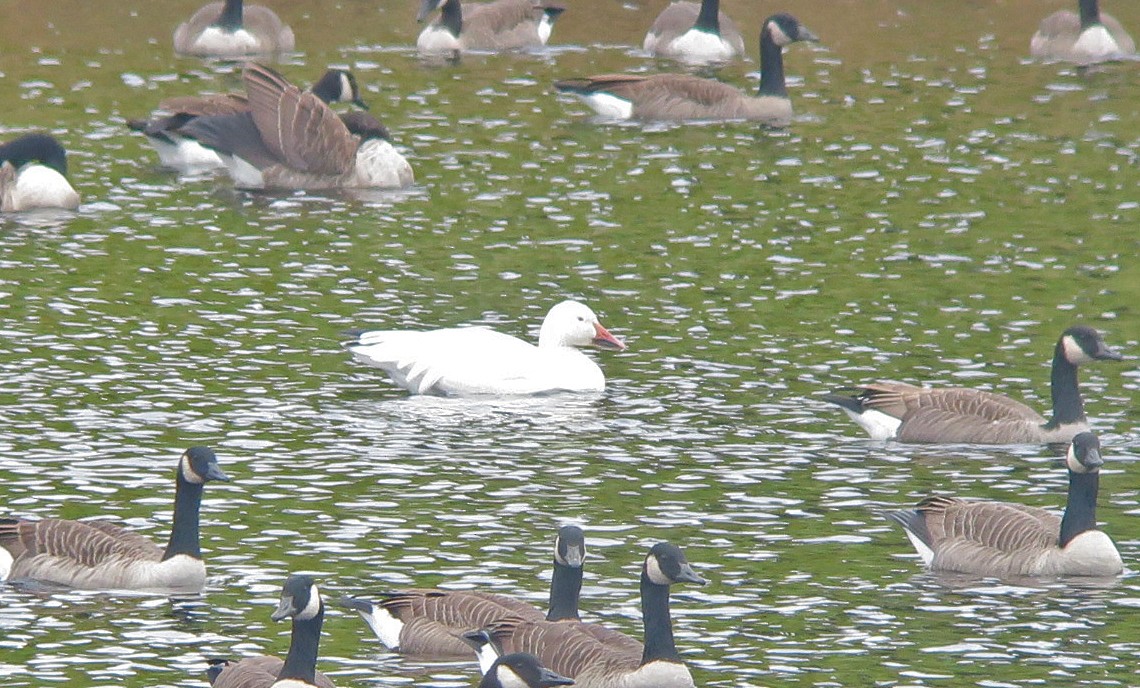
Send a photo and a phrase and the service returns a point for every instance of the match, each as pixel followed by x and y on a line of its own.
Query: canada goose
pixel 227 29
pixel 686 97
pixel 498 25
pixel 33 174
pixel 896 410
pixel 1086 38
pixel 593 659
pixel 430 623
pixel 186 155
pixel 301 600
pixel 290 139
pixel 695 33
pixel 519 670
pixel 97 555
pixel 1003 539
pixel 477 360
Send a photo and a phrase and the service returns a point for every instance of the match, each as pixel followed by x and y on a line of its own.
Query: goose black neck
pixel 709 18
pixel 230 19
pixel 771 66
pixel 301 662
pixel 451 17
pixel 1067 405
pixel 565 587
pixel 1090 13
pixel 1080 511
pixel 658 623
pixel 184 532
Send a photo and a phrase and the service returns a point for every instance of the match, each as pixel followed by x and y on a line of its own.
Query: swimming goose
pixel 186 155
pixel 1086 38
pixel 229 29
pixel 97 555
pixel 290 139
pixel 686 97
pixel 519 670
pixel 1003 539
pixel 300 600
pixel 477 360
pixel 491 26
pixel 896 410
pixel 694 33
pixel 33 174
pixel 430 623
pixel 592 659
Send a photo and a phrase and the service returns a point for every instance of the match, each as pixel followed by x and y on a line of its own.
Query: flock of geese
pixel 276 135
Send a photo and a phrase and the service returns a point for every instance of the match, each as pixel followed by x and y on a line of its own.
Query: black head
pixel 784 29
pixel 339 86
pixel 570 546
pixel 300 599
pixel 365 125
pixel 199 465
pixel 1081 344
pixel 41 148
pixel 520 670
pixel 666 564
pixel 1084 454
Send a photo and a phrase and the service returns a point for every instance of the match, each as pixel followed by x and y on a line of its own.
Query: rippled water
pixel 940 211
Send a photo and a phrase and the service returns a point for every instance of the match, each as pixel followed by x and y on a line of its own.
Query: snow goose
pixel 468 361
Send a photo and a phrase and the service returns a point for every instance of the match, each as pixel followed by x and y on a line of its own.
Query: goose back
pixel 232 29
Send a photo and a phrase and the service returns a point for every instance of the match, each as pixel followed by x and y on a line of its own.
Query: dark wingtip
pixel 844 399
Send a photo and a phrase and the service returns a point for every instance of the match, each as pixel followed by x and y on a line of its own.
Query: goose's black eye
pixel 581 319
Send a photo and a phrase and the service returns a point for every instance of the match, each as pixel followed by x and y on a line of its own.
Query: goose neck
pixel 1090 13
pixel 301 662
pixel 1067 405
pixel 451 17
pixel 565 587
pixel 708 20
pixel 1080 510
pixel 230 19
pixel 184 531
pixel 658 623
pixel 771 66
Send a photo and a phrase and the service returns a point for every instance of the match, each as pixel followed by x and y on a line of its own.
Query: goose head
pixel 199 465
pixel 522 670
pixel 35 148
pixel 339 86
pixel 1082 344
pixel 571 323
pixel 784 29
pixel 300 599
pixel 1084 454
pixel 666 564
pixel 570 546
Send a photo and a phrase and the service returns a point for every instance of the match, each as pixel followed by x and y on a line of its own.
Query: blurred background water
pixel 940 210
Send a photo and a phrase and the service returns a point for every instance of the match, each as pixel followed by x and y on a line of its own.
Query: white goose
pixel 466 361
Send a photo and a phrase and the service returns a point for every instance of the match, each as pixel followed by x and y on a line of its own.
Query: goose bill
pixel 604 340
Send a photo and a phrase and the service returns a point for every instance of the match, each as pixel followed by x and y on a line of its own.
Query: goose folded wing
pixel 87 543
pixel 562 646
pixel 300 129
pixel 999 526
pixel 235 135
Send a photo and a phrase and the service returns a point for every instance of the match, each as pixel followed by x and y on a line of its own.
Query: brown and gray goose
pixel 1085 38
pixel 97 555
pixel 1003 539
pixel 291 139
pixel 301 601
pixel 430 623
pixel 687 97
pixel 489 26
pixel 897 410
pixel 186 155
pixel 233 29
pixel 694 33
pixel 593 655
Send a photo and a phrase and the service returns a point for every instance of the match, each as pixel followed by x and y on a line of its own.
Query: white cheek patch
pixel 1073 352
pixel 608 105
pixel 188 473
pixel 486 655
pixel 508 678
pixel 346 94
pixel 313 606
pixel 653 570
pixel 778 36
pixel 6 561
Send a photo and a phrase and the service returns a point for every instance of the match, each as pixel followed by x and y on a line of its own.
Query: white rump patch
pixel 245 175
pixel 386 627
pixel 878 425
pixel 923 550
pixel 545 27
pixel 608 105
pixel 6 561
pixel 185 155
